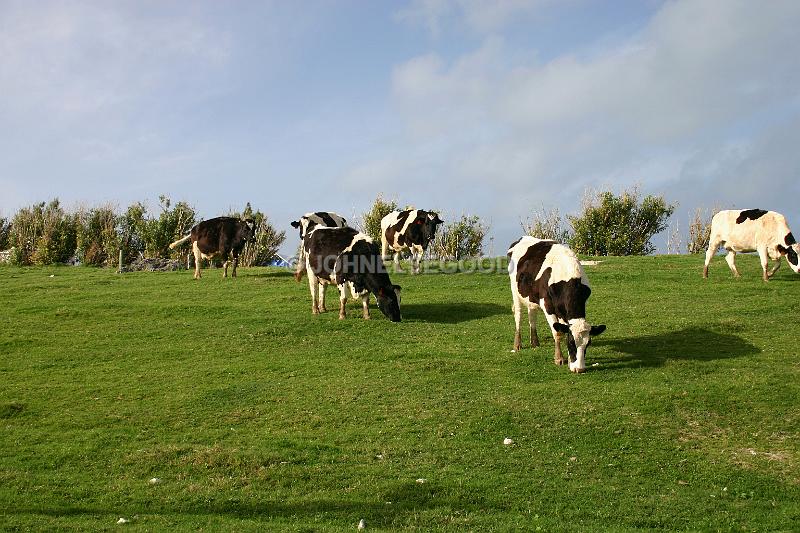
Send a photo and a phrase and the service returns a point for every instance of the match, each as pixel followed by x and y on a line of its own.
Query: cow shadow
pixel 693 343
pixel 451 313
pixel 276 274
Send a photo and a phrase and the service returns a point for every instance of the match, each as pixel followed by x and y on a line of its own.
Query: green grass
pixel 256 415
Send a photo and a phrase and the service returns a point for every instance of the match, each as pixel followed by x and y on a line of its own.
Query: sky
pixel 497 108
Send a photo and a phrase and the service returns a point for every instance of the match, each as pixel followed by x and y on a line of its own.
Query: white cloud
pixel 696 75
pixel 479 16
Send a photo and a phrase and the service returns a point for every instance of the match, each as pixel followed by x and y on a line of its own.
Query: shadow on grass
pixel 446 313
pixel 391 508
pixel 277 274
pixel 691 343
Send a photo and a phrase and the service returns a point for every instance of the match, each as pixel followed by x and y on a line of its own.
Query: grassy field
pixel 255 415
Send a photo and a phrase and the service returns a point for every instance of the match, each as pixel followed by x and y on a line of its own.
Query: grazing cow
pixel 221 236
pixel 412 229
pixel 547 275
pixel 753 230
pixel 308 222
pixel 350 260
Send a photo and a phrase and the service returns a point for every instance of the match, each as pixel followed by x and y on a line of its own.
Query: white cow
pixel 752 230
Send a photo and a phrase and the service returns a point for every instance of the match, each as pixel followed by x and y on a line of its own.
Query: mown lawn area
pixel 255 415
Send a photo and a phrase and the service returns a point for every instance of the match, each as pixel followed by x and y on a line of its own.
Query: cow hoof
pixel 298 276
pixel 323 309
pixel 315 311
pixel 341 317
pixel 577 370
pixel 559 362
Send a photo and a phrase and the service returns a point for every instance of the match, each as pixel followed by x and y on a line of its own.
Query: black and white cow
pixel 222 236
pixel 753 230
pixel 308 222
pixel 350 260
pixel 547 275
pixel 411 229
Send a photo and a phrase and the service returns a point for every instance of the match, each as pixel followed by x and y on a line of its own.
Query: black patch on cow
pixel 567 299
pixel 528 268
pixel 750 214
pixel 791 256
pixel 396 228
pixel 327 219
pixel 361 265
pixel 789 239
pixel 222 235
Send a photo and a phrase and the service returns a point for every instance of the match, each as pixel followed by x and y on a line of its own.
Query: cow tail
pixel 179 241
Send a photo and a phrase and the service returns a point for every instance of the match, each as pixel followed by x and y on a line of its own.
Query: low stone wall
pixel 154 264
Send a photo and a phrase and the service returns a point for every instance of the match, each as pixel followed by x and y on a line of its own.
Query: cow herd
pixel 544 274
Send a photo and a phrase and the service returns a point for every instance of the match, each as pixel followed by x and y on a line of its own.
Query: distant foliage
pixel 131 230
pixel 619 225
pixel 267 239
pixel 5 233
pixel 98 239
pixel 700 230
pixel 461 239
pixel 43 234
pixel 371 220
pixel 171 224
pixel 547 224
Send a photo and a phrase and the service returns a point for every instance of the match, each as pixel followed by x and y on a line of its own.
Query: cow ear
pixel 296 224
pixel 561 328
pixel 597 330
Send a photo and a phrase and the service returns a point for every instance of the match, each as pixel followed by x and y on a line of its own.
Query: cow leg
pixel 558 358
pixel 365 305
pixel 397 261
pixel 322 288
pixel 298 272
pixel 225 268
pixel 731 259
pixel 313 286
pixel 415 258
pixel 517 309
pixel 342 301
pixel 532 323
pixel 235 264
pixel 775 269
pixel 197 259
pixel 712 249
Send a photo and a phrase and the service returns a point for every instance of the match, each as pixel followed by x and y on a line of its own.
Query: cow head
pixel 249 229
pixel 301 225
pixel 389 302
pixel 429 221
pixel 579 337
pixel 792 254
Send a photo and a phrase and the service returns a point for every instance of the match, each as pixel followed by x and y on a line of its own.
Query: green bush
pixel 43 234
pixel 98 238
pixel 5 233
pixel 370 222
pixel 172 224
pixel 619 225
pixel 700 231
pixel 264 247
pixel 460 239
pixel 131 229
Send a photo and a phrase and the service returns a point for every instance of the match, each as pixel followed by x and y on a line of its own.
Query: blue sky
pixel 495 108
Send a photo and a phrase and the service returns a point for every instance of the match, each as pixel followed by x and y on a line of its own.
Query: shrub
pixel 171 225
pixel 98 240
pixel 264 248
pixel 43 234
pixel 545 224
pixel 700 230
pixel 460 239
pixel 370 222
pixel 5 233
pixel 619 225
pixel 131 227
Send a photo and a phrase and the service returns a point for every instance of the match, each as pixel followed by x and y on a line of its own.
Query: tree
pixel 619 225
pixel 700 230
pixel 98 238
pixel 43 234
pixel 171 225
pixel 460 239
pixel 546 224
pixel 370 222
